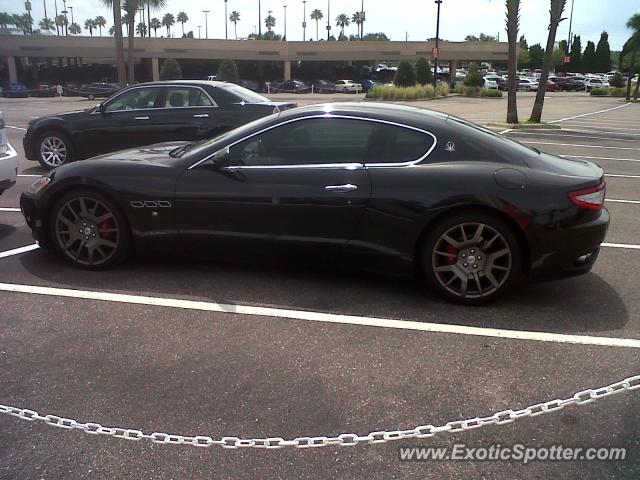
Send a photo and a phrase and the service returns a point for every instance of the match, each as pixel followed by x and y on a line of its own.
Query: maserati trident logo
pixel 450 146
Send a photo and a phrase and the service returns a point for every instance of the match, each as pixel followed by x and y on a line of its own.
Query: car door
pixel 123 121
pixel 301 183
pixel 185 113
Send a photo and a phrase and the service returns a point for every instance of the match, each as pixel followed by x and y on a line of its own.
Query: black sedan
pixel 142 115
pixel 398 189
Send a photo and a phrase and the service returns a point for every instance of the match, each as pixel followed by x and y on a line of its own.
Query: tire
pixel 458 272
pixel 89 230
pixel 58 144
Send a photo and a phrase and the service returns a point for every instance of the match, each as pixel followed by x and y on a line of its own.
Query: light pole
pixel 285 23
pixel 328 21
pixel 304 20
pixel 226 22
pixel 437 51
pixel 206 24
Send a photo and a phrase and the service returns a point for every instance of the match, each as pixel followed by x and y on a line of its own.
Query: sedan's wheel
pixel 89 230
pixel 54 149
pixel 471 259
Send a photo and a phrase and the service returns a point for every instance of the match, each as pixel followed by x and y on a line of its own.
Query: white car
pixel 8 160
pixel 347 86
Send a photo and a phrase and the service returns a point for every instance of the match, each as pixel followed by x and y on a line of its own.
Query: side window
pixel 134 99
pixel 186 97
pixel 313 141
pixel 391 144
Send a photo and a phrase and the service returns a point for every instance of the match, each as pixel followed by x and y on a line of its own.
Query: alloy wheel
pixel 472 260
pixel 53 151
pixel 87 231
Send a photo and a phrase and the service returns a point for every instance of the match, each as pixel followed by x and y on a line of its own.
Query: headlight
pixel 38 185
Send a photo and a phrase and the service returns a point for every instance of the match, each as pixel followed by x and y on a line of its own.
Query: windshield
pixel 244 94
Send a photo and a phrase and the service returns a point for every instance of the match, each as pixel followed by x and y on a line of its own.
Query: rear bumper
pixel 570 251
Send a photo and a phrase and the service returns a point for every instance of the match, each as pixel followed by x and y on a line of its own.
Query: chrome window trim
pixel 332 165
pixel 127 90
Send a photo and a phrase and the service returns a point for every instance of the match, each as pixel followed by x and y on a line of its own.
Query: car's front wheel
pixel 89 230
pixel 471 258
pixel 54 149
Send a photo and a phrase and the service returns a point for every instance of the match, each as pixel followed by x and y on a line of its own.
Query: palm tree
pixel 155 25
pixel 633 44
pixel 555 12
pixel 117 29
pixel 182 18
pixel 47 24
pixel 100 22
pixel 235 18
pixel 513 23
pixel 75 29
pixel 342 21
pixel 270 22
pixel 168 21
pixel 90 24
pixel 317 16
pixel 141 29
pixel 357 19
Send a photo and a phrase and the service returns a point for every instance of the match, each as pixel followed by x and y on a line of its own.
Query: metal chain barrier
pixel 344 439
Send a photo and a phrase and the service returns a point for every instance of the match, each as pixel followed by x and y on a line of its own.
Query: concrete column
pixel 13 72
pixel 287 70
pixel 453 66
pixel 155 69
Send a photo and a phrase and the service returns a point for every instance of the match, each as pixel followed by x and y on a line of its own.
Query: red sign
pixel 567 59
pixel 436 52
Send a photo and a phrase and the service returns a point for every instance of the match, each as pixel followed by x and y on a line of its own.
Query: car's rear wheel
pixel 89 230
pixel 471 258
pixel 54 149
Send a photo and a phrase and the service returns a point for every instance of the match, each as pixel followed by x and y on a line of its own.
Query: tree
pixel 182 18
pixel 357 19
pixel 513 23
pixel 228 71
pixel 342 21
pixel 89 24
pixel 270 22
pixel 117 30
pixel 589 58
pixel 576 54
pixel 47 24
pixel 473 78
pixel 100 22
pixel 523 43
pixel 405 75
pixel 141 29
pixel 317 16
pixel 536 56
pixel 155 25
pixel 170 70
pixel 602 62
pixel 75 29
pixel 632 45
pixel 423 72
pixel 555 17
pixel 235 18
pixel 168 21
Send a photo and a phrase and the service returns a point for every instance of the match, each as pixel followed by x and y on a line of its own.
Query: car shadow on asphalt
pixel 576 305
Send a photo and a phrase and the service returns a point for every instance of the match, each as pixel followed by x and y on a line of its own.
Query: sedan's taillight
pixel 591 198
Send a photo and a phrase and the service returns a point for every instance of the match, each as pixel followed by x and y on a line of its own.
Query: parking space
pixel 229 349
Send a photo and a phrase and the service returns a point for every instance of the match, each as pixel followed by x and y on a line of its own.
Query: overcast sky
pixel 416 17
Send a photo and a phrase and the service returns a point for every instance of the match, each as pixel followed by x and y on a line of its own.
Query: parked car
pixel 43 90
pixel 292 86
pixel 8 159
pixel 144 114
pixel 347 86
pixel 527 85
pixel 98 90
pixel 395 189
pixel 15 90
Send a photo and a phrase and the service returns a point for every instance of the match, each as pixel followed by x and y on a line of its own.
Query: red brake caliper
pixel 453 250
pixel 108 225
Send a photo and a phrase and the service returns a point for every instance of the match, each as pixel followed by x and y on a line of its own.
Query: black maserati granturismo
pixel 401 189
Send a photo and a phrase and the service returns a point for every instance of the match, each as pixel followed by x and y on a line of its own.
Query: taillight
pixel 591 198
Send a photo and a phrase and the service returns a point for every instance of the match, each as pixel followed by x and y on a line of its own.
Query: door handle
pixel 341 188
pixel 201 115
pixel 141 118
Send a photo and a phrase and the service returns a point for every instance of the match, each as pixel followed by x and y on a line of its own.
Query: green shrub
pixel 228 71
pixel 617 80
pixel 490 92
pixel 423 72
pixel 473 78
pixel 170 70
pixel 405 76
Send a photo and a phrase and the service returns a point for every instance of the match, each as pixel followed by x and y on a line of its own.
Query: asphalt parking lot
pixel 279 351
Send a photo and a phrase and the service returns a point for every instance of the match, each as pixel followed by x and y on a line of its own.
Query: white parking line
pixel 590 113
pixel 622 201
pixel 323 317
pixel 9 209
pixel 18 251
pixel 580 146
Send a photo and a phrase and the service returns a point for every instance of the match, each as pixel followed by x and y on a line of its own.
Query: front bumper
pixel 570 251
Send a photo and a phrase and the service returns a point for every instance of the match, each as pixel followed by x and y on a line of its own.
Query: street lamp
pixel 226 21
pixel 206 24
pixel 304 20
pixel 285 23
pixel 437 51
